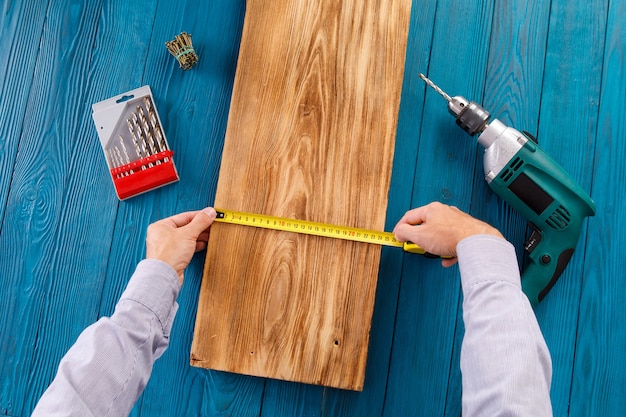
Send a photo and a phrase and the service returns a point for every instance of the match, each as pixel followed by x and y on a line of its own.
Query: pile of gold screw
pixel 183 51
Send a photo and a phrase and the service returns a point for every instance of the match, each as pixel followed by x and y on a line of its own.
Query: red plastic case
pixel 134 144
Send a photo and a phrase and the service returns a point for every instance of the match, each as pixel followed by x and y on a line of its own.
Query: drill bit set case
pixel 134 144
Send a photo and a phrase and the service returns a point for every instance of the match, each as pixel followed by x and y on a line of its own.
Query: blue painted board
pixel 16 76
pixel 35 249
pixel 429 295
pixel 21 25
pixel 567 130
pixel 512 94
pixel 599 381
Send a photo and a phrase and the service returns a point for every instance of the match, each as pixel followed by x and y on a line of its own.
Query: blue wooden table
pixel 68 246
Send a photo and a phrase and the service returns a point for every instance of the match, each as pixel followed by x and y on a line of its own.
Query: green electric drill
pixel 524 176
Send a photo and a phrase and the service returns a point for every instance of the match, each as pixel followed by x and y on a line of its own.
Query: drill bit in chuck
pixel 469 115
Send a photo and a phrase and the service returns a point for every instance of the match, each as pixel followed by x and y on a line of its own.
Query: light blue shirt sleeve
pixel 505 363
pixel 107 369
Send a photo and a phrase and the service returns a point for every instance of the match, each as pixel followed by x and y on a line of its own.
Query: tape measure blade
pixel 308 227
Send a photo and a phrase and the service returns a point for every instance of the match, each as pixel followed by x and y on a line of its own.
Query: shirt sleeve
pixel 108 367
pixel 505 363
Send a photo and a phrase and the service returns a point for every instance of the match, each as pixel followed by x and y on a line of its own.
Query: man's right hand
pixel 438 228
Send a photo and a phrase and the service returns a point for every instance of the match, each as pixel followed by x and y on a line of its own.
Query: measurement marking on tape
pixel 316 229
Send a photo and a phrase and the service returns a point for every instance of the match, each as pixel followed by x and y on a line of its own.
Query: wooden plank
pixel 313 118
pixel 424 333
pixel 371 400
pixel 599 381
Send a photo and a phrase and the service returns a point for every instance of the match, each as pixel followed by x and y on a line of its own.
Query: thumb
pixel 202 221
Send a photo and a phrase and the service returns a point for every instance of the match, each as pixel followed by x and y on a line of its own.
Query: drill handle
pixel 543 193
pixel 549 252
pixel 538 278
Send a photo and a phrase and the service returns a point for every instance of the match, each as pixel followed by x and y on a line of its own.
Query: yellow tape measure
pixel 317 229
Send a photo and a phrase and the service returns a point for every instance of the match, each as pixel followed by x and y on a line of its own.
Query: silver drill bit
pixel 142 139
pixel 135 142
pixel 110 159
pixel 151 142
pixel 139 132
pixel 148 103
pixel 141 116
pixel 153 120
pixel 141 126
pixel 118 162
pixel 157 131
pixel 134 117
pixel 146 130
pixel 124 149
pixel 435 87
pixel 470 116
pixel 155 128
pixel 119 158
pixel 137 120
pixel 125 152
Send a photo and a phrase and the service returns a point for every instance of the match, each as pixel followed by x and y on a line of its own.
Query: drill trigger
pixel 533 240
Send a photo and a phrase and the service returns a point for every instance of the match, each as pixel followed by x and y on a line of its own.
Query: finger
pixel 446 263
pixel 202 220
pixel 407 233
pixel 204 237
pixel 182 219
pixel 413 217
pixel 200 246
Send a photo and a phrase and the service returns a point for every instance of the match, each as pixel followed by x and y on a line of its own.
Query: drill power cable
pixel 317 229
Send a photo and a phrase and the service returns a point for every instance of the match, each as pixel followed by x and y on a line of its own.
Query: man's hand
pixel 438 228
pixel 175 239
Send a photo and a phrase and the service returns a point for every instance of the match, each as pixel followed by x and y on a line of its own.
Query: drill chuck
pixel 470 116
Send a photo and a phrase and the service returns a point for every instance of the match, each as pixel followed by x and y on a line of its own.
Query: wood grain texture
pixel 311 136
pixel 371 401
